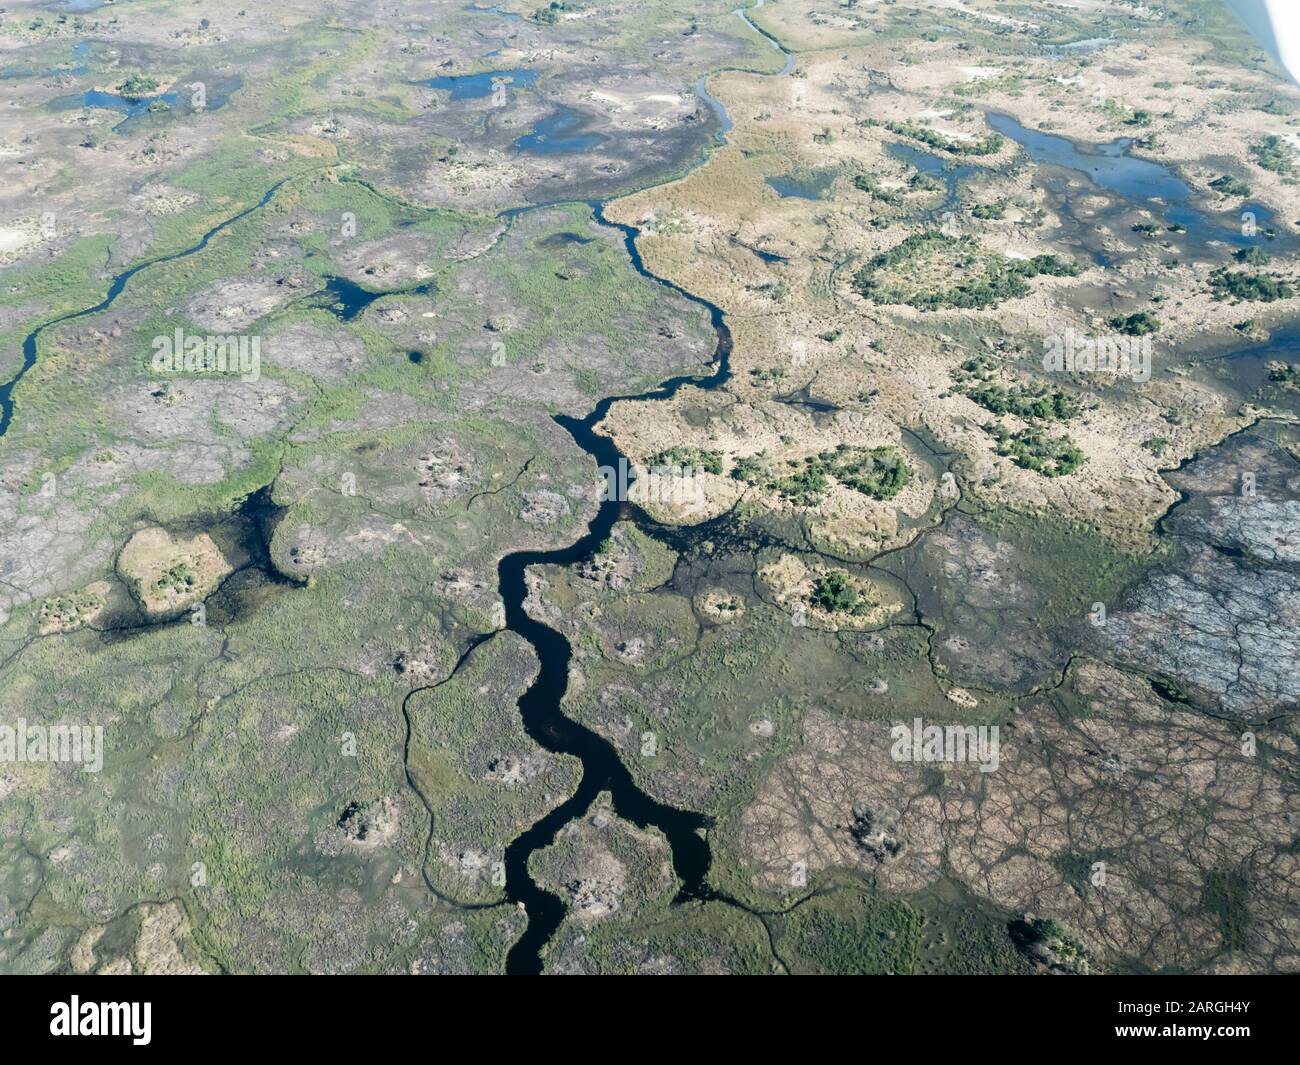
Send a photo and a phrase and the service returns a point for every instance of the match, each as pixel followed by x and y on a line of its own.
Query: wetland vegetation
pixel 388 685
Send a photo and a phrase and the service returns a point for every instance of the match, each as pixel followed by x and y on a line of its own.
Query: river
pixel 540 707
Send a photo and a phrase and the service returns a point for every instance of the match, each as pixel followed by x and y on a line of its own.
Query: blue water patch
pixel 110 101
pixel 926 162
pixel 717 107
pixel 476 86
pixel 1110 167
pixel 79 51
pixel 509 16
pixel 557 134
pixel 945 170
pixel 563 239
pixel 346 300
pixel 1247 367
pixel 809 185
pixel 929 163
pixel 766 256
pixel 133 109
pixel 114 102
pixel 1201 227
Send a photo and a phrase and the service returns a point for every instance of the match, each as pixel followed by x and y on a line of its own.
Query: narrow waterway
pixel 114 290
pixel 540 707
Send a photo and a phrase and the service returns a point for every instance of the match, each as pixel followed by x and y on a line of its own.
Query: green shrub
pixel 836 594
pixel 1238 284
pixel 1136 325
pixel 1030 406
pixel 990 211
pixel 137 86
pixel 990 144
pixel 1000 279
pixel 1230 186
pixel 1031 449
pixel 877 472
pixel 689 458
pixel 1274 153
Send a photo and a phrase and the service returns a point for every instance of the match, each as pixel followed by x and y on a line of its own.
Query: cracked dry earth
pixel 1103 773
pixel 1165 798
pixel 1227 621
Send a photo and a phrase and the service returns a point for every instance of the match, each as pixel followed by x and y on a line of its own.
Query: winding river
pixel 540 707
pixel 114 290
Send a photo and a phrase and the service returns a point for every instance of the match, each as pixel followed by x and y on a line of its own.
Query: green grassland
pixel 224 740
